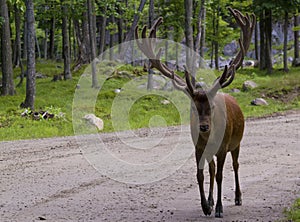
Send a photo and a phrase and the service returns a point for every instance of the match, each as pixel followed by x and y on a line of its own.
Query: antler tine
pixel 147 46
pixel 229 81
pixel 154 27
pixel 188 77
pixel 247 24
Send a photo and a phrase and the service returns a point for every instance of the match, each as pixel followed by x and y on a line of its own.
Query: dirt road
pixel 51 179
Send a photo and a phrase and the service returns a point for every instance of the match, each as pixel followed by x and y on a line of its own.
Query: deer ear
pixel 211 93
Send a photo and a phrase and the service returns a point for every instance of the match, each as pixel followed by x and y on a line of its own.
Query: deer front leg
pixel 200 178
pixel 211 184
pixel 219 178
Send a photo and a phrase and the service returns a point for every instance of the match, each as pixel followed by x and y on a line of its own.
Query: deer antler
pixel 247 24
pixel 145 44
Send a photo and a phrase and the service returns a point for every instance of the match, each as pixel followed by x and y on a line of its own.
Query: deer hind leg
pixel 211 185
pixel 235 164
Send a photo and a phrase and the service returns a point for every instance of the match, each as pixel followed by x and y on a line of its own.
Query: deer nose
pixel 204 128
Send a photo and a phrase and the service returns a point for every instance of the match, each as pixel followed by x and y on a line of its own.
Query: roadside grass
pixel 281 90
pixel 293 213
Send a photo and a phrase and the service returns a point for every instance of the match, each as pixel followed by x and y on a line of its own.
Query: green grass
pixel 146 110
pixel 293 213
pixel 278 84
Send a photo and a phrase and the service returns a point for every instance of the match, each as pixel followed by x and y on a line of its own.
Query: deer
pixel 216 119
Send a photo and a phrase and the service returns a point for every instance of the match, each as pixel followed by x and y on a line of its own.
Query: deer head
pixel 203 99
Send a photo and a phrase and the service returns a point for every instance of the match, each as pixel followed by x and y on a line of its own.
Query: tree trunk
pixel 262 55
pixel 92 31
pixel 120 23
pixel 203 32
pixel 285 33
pixel 151 20
pixel 102 34
pixel 102 27
pixel 296 39
pixel 25 40
pixel 52 39
pixel 46 44
pixel 268 28
pixel 256 42
pixel 6 51
pixel 216 42
pixel 83 40
pixel 17 45
pixel 18 54
pixel 37 46
pixel 130 34
pixel 66 43
pixel 111 39
pixel 188 30
pixel 30 80
pixel 199 28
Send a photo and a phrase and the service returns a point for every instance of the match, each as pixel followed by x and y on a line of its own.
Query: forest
pixel 59 38
pixel 77 31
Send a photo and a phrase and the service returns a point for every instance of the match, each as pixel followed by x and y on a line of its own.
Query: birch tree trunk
pixel 30 80
pixel 92 34
pixel 66 42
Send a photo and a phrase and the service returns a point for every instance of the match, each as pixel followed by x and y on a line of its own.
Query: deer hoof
pixel 219 212
pixel 211 202
pixel 238 202
pixel 206 209
pixel 219 215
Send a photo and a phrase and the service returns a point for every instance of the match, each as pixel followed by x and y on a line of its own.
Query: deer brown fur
pixel 217 122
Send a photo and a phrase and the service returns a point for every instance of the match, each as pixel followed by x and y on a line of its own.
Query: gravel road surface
pixel 53 180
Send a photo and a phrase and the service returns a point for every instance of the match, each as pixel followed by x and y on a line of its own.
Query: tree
pixel 150 22
pixel 30 77
pixel 81 25
pixel 66 43
pixel 285 31
pixel 296 39
pixel 264 11
pixel 18 12
pixel 288 7
pixel 268 36
pixel 103 8
pixel 130 33
pixel 173 25
pixel 92 34
pixel 189 40
pixel 202 17
pixel 6 51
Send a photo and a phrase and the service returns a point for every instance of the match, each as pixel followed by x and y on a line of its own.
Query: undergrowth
pixel 280 90
pixel 293 213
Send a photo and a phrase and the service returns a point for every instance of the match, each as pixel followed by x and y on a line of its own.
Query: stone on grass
pixel 94 120
pixel 165 102
pixel 248 85
pixel 259 102
pixel 235 90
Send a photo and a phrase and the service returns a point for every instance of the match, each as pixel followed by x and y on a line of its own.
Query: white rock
pixel 117 91
pixel 259 102
pixel 94 120
pixel 165 102
pixel 249 85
